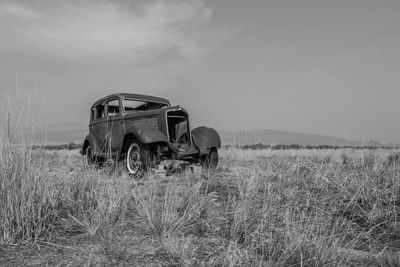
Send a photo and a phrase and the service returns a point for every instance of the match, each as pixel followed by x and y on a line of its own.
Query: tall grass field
pixel 259 208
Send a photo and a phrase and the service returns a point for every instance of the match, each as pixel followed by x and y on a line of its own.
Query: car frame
pixel 142 131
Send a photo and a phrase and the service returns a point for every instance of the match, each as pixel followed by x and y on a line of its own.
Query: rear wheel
pixel 90 160
pixel 210 161
pixel 137 159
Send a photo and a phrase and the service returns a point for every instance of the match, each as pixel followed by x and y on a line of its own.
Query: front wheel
pixel 210 161
pixel 137 159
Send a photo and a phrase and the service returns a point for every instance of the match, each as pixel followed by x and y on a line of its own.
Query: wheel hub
pixel 134 161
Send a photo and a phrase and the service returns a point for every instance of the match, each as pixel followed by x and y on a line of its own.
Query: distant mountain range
pixel 75 132
pixel 275 137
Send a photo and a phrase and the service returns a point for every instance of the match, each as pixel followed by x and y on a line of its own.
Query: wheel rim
pixel 89 156
pixel 133 159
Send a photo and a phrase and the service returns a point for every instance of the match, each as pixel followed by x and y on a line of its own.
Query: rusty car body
pixel 142 131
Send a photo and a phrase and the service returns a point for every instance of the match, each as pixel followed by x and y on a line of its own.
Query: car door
pixel 114 126
pixel 99 126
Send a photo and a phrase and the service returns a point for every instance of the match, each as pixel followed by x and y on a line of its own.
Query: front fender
pixel 205 138
pixel 90 139
pixel 147 134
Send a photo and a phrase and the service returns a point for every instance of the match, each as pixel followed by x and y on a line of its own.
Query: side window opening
pixel 100 111
pixel 113 108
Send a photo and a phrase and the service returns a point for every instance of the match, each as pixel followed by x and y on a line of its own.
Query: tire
pixel 210 161
pixel 137 159
pixel 90 159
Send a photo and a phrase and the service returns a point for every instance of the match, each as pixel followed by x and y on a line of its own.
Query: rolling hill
pixel 75 132
pixel 275 137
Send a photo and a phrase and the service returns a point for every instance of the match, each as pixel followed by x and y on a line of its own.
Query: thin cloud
pixel 78 31
pixel 369 51
pixel 17 10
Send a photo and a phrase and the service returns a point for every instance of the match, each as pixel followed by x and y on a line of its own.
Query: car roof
pixel 134 96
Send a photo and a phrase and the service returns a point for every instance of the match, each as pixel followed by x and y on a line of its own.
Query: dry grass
pixel 260 208
pixel 47 195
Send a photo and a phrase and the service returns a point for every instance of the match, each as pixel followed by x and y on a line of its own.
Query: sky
pixel 322 67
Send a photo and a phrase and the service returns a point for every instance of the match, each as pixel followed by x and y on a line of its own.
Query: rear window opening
pixel 99 111
pixel 178 127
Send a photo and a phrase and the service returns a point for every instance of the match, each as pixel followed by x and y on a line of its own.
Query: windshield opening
pixel 140 105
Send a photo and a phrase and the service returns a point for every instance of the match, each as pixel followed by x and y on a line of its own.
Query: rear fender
pixel 90 139
pixel 204 138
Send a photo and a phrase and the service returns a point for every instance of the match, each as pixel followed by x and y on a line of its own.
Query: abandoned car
pixel 142 131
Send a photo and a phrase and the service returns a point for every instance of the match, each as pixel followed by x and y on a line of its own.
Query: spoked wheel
pixel 210 161
pixel 137 159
